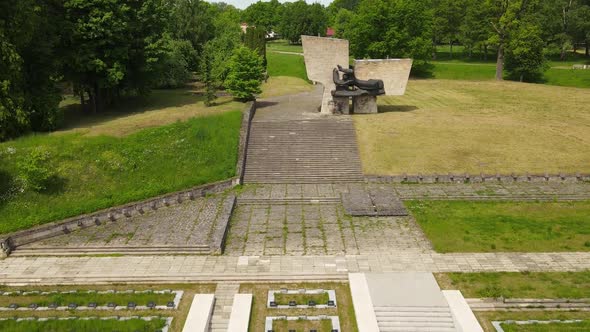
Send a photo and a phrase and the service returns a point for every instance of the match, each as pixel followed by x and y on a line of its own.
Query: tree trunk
pixel 82 98
pixel 485 52
pixel 433 50
pixel 451 44
pixel 521 77
pixel 562 55
pixel 500 60
pixel 587 48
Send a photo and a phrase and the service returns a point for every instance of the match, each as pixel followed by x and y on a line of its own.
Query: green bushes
pixel 34 171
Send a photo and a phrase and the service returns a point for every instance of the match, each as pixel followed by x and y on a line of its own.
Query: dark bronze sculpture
pixel 350 86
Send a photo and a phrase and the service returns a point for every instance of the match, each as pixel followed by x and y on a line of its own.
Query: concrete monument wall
pixel 322 55
pixel 393 72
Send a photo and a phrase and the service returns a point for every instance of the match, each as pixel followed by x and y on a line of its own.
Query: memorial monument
pixel 327 63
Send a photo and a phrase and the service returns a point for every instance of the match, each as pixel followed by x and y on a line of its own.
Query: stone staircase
pixel 224 298
pixel 303 151
pixel 414 319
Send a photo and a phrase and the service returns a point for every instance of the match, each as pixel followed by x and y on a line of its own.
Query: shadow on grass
pixel 396 108
pixel 6 183
pixel 158 99
pixel 55 185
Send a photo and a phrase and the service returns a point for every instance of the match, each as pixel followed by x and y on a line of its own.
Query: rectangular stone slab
pixel 393 72
pixel 321 56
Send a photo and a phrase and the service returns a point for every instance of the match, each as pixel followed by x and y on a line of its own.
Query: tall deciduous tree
pixel 29 64
pixel 406 34
pixel 299 18
pixel 475 30
pixel 505 19
pixel 111 45
pixel 525 60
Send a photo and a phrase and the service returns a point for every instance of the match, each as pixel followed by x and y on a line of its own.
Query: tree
pixel 299 18
pixel 245 75
pixel 407 34
pixel 111 46
pixel 228 36
pixel 208 79
pixel 580 25
pixel 475 30
pixel 192 20
pixel 263 14
pixel 524 54
pixel 448 18
pixel 29 63
pixel 255 39
pixel 505 17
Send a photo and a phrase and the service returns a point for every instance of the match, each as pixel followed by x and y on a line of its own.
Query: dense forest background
pixel 103 50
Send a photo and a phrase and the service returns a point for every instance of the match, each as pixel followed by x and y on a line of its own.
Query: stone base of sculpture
pixel 341 105
pixel 364 104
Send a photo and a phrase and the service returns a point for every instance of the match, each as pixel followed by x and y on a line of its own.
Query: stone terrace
pixel 191 227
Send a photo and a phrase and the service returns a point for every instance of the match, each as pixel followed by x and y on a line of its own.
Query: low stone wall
pixel 247 116
pixel 467 178
pixel 13 240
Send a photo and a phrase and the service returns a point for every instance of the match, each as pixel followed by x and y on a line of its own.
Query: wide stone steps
pixel 310 151
pixel 69 251
pixel 414 319
pixel 224 296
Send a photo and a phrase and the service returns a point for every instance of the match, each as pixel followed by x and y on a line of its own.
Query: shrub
pixel 35 171
pixel 246 73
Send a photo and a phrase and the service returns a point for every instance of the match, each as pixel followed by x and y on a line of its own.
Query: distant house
pixel 330 32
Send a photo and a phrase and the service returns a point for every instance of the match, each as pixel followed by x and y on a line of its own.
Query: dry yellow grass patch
pixel 284 85
pixel 159 108
pixel 443 126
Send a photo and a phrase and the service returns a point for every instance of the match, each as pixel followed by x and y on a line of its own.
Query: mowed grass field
pixel 464 226
pixel 442 126
pixel 530 285
pixel 142 148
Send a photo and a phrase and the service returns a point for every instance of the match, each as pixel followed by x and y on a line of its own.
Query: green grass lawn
pixel 79 325
pixel 460 67
pixel 486 317
pixel 536 285
pixel 96 172
pixel 83 298
pixel 302 325
pixel 465 226
pixel 551 327
pixel 285 65
pixel 282 45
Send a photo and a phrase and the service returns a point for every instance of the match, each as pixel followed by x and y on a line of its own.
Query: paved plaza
pixel 92 269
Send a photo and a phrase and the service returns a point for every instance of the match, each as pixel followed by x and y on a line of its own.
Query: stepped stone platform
pixel 290 142
pixel 193 227
pixel 408 302
pixel 372 201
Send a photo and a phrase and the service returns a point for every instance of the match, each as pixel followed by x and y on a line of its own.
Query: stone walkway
pixel 318 229
pixel 93 270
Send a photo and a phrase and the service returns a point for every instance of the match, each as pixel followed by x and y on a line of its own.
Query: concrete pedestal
pixel 364 104
pixel 341 105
